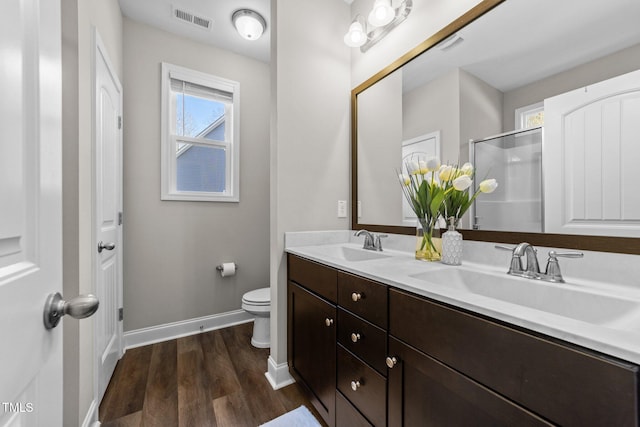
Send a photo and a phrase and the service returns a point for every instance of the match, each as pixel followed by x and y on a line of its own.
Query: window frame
pixel 522 112
pixel 170 139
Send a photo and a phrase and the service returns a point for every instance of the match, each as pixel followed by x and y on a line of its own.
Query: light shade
pixel 357 35
pixel 249 24
pixel 382 13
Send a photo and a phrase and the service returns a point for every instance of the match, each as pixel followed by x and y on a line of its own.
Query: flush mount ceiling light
pixel 249 23
pixel 381 20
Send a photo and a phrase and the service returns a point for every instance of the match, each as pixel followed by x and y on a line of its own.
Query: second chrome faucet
pixel 532 271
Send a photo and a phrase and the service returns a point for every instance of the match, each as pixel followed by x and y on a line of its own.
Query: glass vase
pixel 428 242
pixel 452 244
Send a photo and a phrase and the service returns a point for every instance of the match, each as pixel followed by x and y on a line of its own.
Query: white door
pixel 108 200
pixel 30 212
pixel 591 157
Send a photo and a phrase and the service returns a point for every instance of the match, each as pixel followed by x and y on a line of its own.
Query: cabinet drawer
pixel 363 339
pixel 366 298
pixel 347 415
pixel 566 385
pixel 370 393
pixel 313 276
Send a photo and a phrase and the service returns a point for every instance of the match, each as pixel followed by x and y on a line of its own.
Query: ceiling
pixel 222 34
pixel 556 36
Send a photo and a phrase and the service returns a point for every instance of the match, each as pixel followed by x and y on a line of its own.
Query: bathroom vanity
pixel 372 352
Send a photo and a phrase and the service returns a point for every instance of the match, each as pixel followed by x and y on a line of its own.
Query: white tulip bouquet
pixel 435 191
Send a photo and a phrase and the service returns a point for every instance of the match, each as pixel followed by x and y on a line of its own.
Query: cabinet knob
pixel 355 385
pixel 356 296
pixel 328 321
pixel 355 337
pixel 391 362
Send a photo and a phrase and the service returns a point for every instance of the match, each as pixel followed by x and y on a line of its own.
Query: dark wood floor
pixel 211 379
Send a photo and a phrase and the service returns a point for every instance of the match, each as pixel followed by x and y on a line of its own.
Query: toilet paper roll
pixel 228 269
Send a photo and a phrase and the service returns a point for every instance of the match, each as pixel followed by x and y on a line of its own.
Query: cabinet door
pixel 312 347
pixel 424 392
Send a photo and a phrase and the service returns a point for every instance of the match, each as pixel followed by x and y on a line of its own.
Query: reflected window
pixel 530 116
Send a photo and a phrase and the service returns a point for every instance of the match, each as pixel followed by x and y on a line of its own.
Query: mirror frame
pixel 625 245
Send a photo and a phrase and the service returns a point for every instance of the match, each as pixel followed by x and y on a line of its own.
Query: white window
pixel 200 136
pixel 530 116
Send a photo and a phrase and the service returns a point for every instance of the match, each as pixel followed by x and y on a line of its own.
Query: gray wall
pixel 380 115
pixel 309 133
pixel 171 248
pixel 480 111
pixel 432 107
pixel 618 63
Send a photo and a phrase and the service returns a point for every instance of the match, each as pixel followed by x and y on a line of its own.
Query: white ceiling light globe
pixel 356 36
pixel 249 24
pixel 382 13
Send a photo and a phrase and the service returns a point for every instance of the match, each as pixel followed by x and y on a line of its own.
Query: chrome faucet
pixel 533 269
pixel 552 272
pixel 372 241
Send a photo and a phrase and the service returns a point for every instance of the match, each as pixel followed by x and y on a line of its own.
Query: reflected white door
pixel 108 191
pixel 30 212
pixel 591 156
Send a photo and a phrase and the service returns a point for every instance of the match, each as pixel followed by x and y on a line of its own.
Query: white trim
pixel 278 374
pixel 183 328
pixel 91 419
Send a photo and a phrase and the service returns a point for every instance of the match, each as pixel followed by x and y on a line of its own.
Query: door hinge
pixel 119 122
pixel 120 314
pixel 119 218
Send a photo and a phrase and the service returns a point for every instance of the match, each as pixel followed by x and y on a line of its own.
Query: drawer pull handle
pixel 355 337
pixel 355 385
pixel 356 296
pixel 328 321
pixel 391 362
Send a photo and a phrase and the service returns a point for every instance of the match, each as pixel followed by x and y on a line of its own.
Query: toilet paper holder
pixel 219 267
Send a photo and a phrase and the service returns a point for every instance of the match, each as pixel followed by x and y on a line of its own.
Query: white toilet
pixel 258 303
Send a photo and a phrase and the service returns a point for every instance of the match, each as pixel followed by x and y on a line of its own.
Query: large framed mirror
pixel 485 74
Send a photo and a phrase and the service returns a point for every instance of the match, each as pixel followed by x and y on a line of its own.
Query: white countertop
pixel 618 336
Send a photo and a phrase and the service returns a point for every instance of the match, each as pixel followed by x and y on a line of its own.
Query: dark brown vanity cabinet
pixel 467 367
pixel 312 332
pixel 448 367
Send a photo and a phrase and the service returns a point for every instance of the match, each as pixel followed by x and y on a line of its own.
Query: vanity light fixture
pixel 357 34
pixel 383 18
pixel 382 13
pixel 249 23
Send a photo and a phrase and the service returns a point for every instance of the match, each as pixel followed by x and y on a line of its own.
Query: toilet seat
pixel 258 297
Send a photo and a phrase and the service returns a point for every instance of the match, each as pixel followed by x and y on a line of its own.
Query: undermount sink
pixel 560 299
pixel 347 253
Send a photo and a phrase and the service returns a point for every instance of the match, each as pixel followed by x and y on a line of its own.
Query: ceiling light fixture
pixel 249 23
pixel 357 34
pixel 383 18
pixel 382 13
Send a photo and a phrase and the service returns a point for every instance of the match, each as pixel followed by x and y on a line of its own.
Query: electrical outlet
pixel 359 209
pixel 342 208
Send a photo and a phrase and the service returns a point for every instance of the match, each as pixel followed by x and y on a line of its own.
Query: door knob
pixel 328 321
pixel 79 307
pixel 355 337
pixel 356 296
pixel 355 385
pixel 108 246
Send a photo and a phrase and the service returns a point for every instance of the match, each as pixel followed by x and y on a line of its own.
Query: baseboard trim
pixel 278 374
pixel 91 419
pixel 169 331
